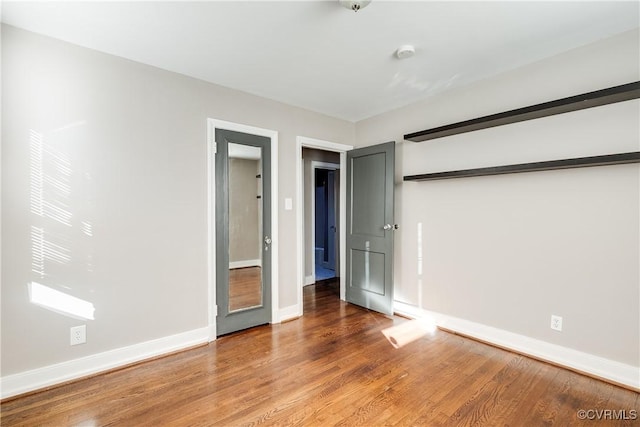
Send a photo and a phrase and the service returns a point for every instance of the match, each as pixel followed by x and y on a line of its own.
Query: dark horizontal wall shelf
pixel 573 103
pixel 580 162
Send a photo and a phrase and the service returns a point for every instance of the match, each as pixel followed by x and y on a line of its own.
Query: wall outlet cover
pixel 556 322
pixel 78 335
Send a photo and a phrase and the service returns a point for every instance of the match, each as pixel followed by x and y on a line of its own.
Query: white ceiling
pixel 320 56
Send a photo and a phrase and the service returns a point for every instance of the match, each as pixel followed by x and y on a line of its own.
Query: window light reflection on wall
pixel 60 302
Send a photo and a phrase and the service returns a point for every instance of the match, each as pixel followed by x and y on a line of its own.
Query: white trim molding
pixel 595 366
pixel 212 125
pixel 24 382
pixel 211 230
pixel 289 313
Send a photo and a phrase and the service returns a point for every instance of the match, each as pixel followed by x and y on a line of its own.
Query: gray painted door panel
pixel 370 192
pixel 230 321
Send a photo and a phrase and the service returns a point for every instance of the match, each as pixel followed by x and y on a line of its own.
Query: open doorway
pixel 306 247
pixel 321 219
pixel 325 220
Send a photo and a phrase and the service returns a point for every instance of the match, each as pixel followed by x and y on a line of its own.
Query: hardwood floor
pixel 330 367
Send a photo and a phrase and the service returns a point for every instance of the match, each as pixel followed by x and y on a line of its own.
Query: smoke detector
pixel 406 51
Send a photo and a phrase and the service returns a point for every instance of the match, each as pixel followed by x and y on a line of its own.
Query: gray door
pixel 370 227
pixel 243 231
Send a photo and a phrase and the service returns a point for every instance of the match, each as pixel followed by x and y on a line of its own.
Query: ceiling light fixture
pixel 406 51
pixel 354 5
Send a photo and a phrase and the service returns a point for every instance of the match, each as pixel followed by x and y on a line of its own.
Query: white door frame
pixel 317 165
pixel 212 125
pixel 302 141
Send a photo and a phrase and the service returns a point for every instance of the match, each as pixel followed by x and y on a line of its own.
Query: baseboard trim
pixel 47 376
pixel 309 280
pixel 245 263
pixel 594 366
pixel 291 312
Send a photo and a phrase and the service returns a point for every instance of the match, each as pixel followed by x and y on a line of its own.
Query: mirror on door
pixel 245 227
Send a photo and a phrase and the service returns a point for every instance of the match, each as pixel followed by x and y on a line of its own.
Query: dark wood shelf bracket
pixel 580 162
pixel 610 95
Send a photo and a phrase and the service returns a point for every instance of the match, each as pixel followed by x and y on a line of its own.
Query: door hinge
pixel 214 147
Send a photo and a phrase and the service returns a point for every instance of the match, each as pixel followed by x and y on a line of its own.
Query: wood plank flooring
pixel 330 367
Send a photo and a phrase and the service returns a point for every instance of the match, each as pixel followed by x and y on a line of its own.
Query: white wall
pixel 509 251
pixel 129 141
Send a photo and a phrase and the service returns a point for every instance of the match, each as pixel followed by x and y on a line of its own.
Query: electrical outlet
pixel 79 335
pixel 556 322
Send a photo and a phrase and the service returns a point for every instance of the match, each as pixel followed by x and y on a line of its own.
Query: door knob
pixel 267 240
pixel 388 227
